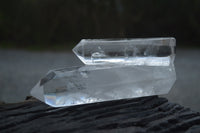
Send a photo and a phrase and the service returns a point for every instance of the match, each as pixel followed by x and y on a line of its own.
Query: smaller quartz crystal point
pixel 114 69
pixel 150 51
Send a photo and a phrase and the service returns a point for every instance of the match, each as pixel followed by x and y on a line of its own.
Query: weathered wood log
pixel 148 114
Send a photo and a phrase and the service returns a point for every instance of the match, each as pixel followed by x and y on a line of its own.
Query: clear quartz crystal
pixel 115 69
pixel 148 52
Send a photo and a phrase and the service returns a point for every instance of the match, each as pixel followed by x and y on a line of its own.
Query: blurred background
pixel 38 35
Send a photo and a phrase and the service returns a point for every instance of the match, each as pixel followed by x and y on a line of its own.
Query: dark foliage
pixel 27 22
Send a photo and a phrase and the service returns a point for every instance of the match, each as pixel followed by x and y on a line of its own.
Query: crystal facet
pixel 114 70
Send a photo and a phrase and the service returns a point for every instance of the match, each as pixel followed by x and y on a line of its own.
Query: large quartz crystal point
pixel 114 69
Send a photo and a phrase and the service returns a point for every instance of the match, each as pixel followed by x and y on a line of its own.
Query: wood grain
pixel 147 114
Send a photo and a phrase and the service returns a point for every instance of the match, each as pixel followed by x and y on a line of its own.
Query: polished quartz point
pixel 149 52
pixel 114 69
pixel 88 84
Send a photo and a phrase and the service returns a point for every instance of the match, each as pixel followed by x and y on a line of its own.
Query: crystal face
pixel 115 69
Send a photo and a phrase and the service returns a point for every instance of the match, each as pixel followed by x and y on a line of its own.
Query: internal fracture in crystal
pixel 114 69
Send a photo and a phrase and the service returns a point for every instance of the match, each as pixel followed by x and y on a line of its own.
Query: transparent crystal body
pixel 150 51
pixel 111 72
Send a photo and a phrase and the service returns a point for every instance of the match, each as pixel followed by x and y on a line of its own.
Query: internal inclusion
pixel 111 72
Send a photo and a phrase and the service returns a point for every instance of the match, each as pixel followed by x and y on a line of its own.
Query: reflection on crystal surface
pixel 114 70
pixel 151 51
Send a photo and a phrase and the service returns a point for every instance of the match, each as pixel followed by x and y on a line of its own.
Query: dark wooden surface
pixel 148 114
